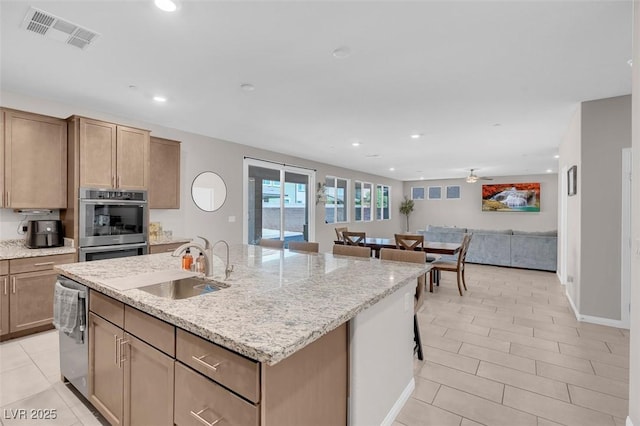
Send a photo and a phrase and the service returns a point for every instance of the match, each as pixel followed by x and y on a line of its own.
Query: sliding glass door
pixel 278 202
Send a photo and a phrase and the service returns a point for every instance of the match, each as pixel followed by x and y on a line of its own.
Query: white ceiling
pixel 491 85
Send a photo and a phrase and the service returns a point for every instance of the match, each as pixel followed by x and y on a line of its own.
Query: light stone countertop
pixel 171 240
pixel 15 249
pixel 278 301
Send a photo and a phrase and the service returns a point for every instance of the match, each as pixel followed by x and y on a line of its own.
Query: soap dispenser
pixel 187 260
pixel 201 263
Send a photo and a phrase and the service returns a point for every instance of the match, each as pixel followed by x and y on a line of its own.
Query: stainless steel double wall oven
pixel 112 223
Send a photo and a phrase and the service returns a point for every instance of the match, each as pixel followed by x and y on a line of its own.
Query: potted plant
pixel 406 207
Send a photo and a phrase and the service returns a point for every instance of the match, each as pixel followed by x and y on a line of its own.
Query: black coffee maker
pixel 44 233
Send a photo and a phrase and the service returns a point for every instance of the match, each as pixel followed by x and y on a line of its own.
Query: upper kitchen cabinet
pixel 164 186
pixel 109 155
pixel 35 161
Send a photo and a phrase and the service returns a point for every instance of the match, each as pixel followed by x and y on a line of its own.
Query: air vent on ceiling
pixel 50 26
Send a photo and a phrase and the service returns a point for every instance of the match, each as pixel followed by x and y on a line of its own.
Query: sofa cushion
pixel 537 233
pixel 490 248
pixel 491 231
pixel 453 229
pixel 534 252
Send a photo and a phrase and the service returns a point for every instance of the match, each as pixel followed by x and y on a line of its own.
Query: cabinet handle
pixel 203 421
pixel 8 199
pixel 115 349
pixel 214 367
pixel 113 181
pixel 43 263
pixel 13 282
pixel 119 182
pixel 6 290
pixel 122 343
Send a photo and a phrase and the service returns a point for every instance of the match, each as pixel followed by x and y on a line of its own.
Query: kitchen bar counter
pixel 278 301
pixel 15 249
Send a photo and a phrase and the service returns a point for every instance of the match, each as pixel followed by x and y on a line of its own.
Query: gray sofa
pixel 518 249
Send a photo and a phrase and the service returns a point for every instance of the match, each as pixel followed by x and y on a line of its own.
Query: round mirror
pixel 208 191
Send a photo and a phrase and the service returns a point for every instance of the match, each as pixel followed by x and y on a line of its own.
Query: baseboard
pixel 397 407
pixel 596 320
pixel 629 421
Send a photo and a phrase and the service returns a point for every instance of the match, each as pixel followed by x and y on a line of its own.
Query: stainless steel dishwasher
pixel 74 353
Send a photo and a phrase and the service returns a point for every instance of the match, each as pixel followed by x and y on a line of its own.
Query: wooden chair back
pixel 339 232
pixel 277 244
pixel 357 251
pixel 353 238
pixel 462 255
pixel 307 246
pixel 409 241
pixel 413 257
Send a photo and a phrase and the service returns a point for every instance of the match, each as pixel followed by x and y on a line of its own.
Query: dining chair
pixel 307 246
pixel 353 238
pixel 409 241
pixel 414 257
pixel 457 266
pixel 277 244
pixel 339 232
pixel 357 251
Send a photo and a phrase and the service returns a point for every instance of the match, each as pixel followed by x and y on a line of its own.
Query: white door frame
pixel 625 262
pixel 282 168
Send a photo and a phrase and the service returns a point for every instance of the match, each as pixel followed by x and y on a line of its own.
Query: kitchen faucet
pixel 207 252
pixel 228 269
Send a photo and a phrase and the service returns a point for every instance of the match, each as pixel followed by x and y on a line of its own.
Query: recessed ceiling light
pixel 556 156
pixel 630 62
pixel 416 136
pixel 355 143
pixel 549 171
pixel 391 169
pixel 160 99
pixel 421 177
pixel 133 87
pixel 248 87
pixel 341 52
pixel 372 156
pixel 166 5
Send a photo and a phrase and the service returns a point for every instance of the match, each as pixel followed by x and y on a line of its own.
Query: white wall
pixel 570 156
pixel 605 132
pixel 200 153
pixel 467 211
pixel 634 356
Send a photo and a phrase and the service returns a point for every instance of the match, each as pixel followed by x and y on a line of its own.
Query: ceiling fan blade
pixel 485 178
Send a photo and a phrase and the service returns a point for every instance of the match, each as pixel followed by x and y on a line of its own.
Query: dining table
pixel 433 247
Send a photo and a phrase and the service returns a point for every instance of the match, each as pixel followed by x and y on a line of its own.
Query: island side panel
pixel 381 359
pixel 309 387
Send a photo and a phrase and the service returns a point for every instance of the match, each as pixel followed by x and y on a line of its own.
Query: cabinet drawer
pixel 233 371
pixel 163 248
pixel 108 308
pixel 40 263
pixel 4 267
pixel 196 396
pixel 153 331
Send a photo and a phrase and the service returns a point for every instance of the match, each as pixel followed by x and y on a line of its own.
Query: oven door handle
pixel 100 202
pixel 112 248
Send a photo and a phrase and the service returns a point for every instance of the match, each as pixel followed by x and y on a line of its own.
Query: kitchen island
pixel 279 306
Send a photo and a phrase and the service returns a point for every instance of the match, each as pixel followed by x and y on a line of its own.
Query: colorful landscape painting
pixel 511 197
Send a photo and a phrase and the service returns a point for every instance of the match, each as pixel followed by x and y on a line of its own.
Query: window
pixel 362 201
pixel 434 192
pixel 453 192
pixel 336 206
pixel 417 193
pixel 383 202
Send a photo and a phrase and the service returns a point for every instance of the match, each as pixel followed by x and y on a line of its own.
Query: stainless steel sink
pixel 184 288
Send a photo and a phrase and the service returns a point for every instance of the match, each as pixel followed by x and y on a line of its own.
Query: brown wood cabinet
pixel 164 184
pixel 35 161
pixel 163 248
pixel 131 382
pixel 4 297
pixel 135 379
pixel 2 197
pixel 107 155
pixel 27 293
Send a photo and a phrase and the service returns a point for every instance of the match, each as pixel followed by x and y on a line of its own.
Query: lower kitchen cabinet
pixel 4 297
pixel 106 376
pixel 130 381
pixel 148 384
pixel 26 295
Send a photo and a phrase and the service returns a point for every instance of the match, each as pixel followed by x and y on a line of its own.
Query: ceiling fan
pixel 473 178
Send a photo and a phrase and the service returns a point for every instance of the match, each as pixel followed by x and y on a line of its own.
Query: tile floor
pixel 509 352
